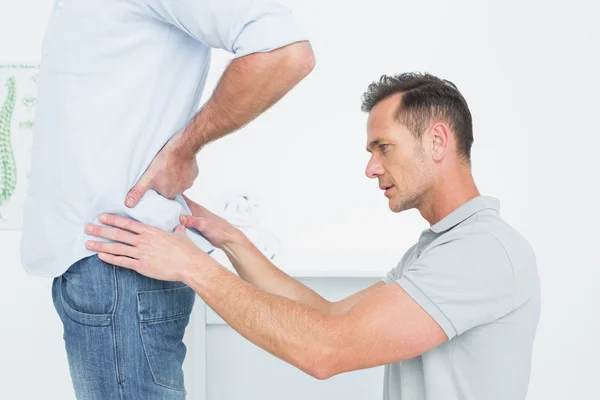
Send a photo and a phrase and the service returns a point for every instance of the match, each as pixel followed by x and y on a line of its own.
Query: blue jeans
pixel 123 332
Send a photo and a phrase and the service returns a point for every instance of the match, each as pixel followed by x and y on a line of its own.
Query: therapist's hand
pixel 147 250
pixel 217 230
pixel 171 172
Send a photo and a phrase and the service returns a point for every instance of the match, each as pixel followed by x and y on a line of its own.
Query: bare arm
pixel 345 305
pixel 248 87
pixel 252 266
pixel 256 269
pixel 383 327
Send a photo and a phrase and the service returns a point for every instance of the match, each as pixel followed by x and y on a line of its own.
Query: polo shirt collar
pixel 463 212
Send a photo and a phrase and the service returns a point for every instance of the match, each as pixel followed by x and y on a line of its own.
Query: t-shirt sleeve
pixel 462 283
pixel 240 27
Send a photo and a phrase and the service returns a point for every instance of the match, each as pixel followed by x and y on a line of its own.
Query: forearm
pixel 249 86
pixel 252 266
pixel 289 330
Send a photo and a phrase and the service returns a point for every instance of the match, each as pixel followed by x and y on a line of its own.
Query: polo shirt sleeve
pixel 389 278
pixel 240 27
pixel 462 283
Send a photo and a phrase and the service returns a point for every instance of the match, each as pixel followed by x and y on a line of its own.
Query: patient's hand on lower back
pixel 171 172
pixel 217 230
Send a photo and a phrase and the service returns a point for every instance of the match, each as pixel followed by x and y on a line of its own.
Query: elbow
pixel 289 64
pixel 301 59
pixel 327 354
pixel 307 65
pixel 323 364
pixel 321 374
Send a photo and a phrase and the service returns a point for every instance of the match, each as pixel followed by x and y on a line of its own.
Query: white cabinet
pixel 223 365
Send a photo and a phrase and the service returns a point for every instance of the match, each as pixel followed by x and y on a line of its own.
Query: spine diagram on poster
pixel 8 166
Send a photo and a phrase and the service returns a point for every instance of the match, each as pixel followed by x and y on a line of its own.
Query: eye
pixel 383 147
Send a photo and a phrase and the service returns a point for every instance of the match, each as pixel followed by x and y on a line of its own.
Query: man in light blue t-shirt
pixel 117 129
pixel 457 317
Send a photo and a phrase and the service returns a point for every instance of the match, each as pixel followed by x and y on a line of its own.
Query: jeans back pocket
pixel 87 291
pixel 164 315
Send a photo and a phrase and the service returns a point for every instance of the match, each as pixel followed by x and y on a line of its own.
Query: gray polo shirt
pixel 477 277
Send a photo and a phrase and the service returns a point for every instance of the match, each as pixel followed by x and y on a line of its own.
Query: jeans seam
pixel 156 380
pixel 78 316
pixel 159 319
pixel 117 333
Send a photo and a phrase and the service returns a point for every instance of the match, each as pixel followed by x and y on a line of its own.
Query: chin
pixel 399 205
pixel 395 207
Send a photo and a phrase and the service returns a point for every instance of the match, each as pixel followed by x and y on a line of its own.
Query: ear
pixel 440 140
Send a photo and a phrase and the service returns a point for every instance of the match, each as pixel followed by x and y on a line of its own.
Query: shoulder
pixel 496 252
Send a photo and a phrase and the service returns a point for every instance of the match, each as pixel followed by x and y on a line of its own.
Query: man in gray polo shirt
pixel 456 319
pixel 477 278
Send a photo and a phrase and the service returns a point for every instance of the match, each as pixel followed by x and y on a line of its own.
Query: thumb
pixel 136 193
pixel 191 222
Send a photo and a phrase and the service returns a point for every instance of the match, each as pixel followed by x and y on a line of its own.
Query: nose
pixel 374 168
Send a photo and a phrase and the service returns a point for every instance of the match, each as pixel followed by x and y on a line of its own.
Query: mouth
pixel 386 189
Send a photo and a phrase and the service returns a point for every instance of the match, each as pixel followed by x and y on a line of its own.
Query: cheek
pixel 407 174
pixel 399 169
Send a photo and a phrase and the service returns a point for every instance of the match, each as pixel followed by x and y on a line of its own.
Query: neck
pixel 451 191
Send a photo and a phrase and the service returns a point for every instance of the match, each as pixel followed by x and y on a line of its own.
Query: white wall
pixel 529 72
pixel 33 363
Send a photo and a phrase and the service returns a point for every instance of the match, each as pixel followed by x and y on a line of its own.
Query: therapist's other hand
pixel 171 172
pixel 217 230
pixel 147 250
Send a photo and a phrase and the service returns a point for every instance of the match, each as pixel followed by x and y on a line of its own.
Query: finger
pixel 196 209
pixel 117 249
pixel 115 234
pixel 179 230
pixel 191 204
pixel 124 223
pixel 140 188
pixel 183 219
pixel 120 261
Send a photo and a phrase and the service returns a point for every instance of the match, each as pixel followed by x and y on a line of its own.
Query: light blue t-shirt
pixel 118 79
pixel 477 278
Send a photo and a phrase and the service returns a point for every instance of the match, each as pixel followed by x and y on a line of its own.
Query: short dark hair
pixel 424 97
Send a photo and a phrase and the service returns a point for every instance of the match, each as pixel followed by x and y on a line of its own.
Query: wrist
pixel 183 146
pixel 192 137
pixel 236 242
pixel 198 272
pixel 184 150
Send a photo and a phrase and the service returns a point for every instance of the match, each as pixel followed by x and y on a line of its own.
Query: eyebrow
pixel 374 143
